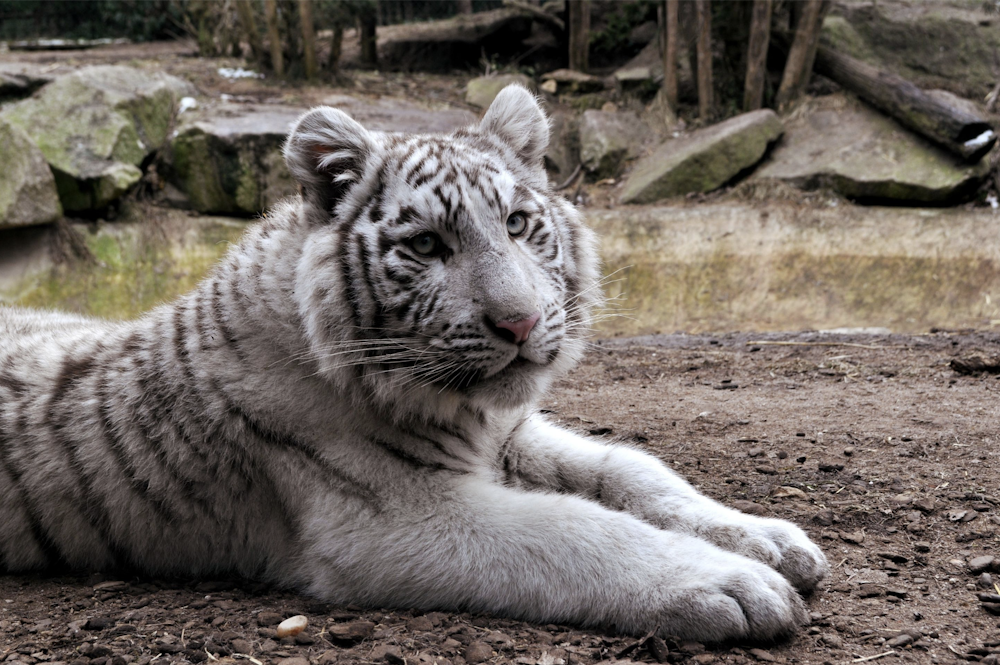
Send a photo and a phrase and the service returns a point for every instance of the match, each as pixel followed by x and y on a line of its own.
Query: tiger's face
pixel 442 264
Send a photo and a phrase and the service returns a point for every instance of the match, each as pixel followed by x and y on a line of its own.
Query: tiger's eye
pixel 516 224
pixel 425 244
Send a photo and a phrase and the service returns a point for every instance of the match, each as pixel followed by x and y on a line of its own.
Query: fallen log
pixel 957 129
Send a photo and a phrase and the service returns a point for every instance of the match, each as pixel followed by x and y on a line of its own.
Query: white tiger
pixel 346 407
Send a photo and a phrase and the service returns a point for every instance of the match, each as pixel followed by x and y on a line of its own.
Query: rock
pixel 351 632
pixel 477 652
pixel 240 645
pixel 451 43
pixel 839 143
pixel 292 626
pixel 20 79
pixel 985 581
pixel 831 467
pixel 608 139
pixel 762 655
pixel 421 623
pixel 636 80
pixel 703 160
pixel 483 90
pixel 227 158
pixel 900 640
pixel 749 507
pixel 922 546
pixel 268 619
pixel 571 81
pixel 563 154
pixel 390 653
pixel 824 517
pixel 766 469
pixel 832 641
pixel 854 538
pixel 96 126
pixel 28 193
pixel 785 491
pixel 981 564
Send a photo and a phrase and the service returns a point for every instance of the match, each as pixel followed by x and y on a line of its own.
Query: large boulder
pixel 20 79
pixel 227 158
pixel 27 190
pixel 96 126
pixel 482 90
pixel 840 143
pixel 608 138
pixel 704 159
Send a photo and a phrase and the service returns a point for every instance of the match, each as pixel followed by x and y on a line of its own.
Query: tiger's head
pixel 440 267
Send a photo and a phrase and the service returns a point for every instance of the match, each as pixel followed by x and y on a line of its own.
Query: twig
pixel 570 179
pixel 854 344
pixel 536 13
pixel 878 655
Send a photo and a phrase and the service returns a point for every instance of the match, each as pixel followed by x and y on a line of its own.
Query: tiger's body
pixel 345 406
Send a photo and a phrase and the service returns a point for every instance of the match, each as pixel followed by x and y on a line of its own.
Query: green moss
pixel 133 269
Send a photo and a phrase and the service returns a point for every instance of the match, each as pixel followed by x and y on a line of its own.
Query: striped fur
pixel 335 412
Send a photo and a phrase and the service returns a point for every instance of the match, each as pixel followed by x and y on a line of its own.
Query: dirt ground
pixel 872 443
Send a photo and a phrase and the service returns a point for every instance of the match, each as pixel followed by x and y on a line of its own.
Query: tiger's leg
pixel 542 455
pixel 478 546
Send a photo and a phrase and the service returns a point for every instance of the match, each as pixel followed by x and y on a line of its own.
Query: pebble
pixel 268 618
pixel 832 641
pixel 766 469
pixel 849 450
pixel 477 652
pixel 892 556
pixel 421 623
pixel 390 653
pixel 240 645
pixel 351 632
pixel 922 546
pixel 830 467
pixel 761 654
pixel 900 640
pixel 824 517
pixel 292 626
pixel 986 581
pixel 854 538
pixel 981 564
pixel 755 452
pixel 785 491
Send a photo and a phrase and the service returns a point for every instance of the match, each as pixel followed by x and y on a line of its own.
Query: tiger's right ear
pixel 326 153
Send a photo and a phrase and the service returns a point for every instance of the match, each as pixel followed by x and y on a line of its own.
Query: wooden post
pixel 760 38
pixel 705 100
pixel 308 38
pixel 670 52
pixel 244 12
pixel 579 35
pixel 274 36
pixel 795 76
pixel 367 24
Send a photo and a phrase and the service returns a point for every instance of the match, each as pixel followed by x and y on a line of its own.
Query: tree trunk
pixel 670 15
pixel 463 6
pixel 367 23
pixel 274 36
pixel 796 76
pixel 957 129
pixel 579 35
pixel 760 38
pixel 705 101
pixel 244 12
pixel 308 38
pixel 336 47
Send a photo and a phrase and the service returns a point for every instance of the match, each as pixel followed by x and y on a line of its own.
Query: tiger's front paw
pixel 777 543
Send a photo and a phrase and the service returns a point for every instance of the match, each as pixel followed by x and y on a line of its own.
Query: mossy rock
pixel 839 143
pixel 27 189
pixel 96 126
pixel 483 90
pixel 704 160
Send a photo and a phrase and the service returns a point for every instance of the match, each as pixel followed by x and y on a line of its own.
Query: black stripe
pixel 408 458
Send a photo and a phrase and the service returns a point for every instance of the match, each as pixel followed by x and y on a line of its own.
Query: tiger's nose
pixel 517 331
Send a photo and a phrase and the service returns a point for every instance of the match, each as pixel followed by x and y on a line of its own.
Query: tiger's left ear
pixel 326 152
pixel 516 118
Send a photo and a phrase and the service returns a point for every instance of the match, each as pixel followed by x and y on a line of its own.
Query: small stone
pixel 992 608
pixel 305 639
pixel 870 591
pixel 268 619
pixel 755 452
pixel 477 652
pixel 981 564
pixel 749 507
pixel 782 454
pixel 549 86
pixel 766 469
pixel 849 450
pixel 854 538
pixel 785 491
pixel 832 641
pixel 830 467
pixel 422 624
pixel 922 546
pixel 900 640
pixel 762 655
pixel 240 645
pixel 892 556
pixel 351 632
pixel 390 653
pixel 898 593
pixel 985 581
pixel 824 517
pixel 297 660
pixel 925 505
pixel 292 626
pixel 97 623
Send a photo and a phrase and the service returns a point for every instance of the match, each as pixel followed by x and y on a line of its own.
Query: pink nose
pixel 521 329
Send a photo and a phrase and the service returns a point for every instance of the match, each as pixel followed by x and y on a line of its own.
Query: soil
pixel 872 443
